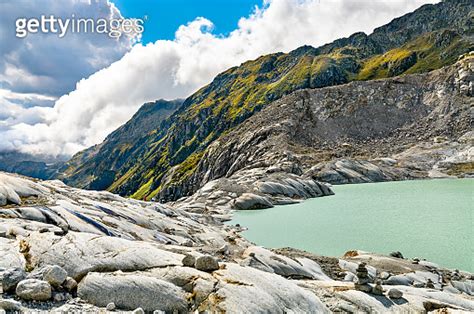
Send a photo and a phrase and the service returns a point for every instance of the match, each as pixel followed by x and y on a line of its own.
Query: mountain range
pixel 170 149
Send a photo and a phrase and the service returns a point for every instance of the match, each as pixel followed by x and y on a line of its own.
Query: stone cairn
pixel 377 289
pixel 362 278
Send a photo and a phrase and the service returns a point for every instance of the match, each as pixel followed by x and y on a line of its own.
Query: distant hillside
pixel 164 161
pixel 118 148
pixel 40 167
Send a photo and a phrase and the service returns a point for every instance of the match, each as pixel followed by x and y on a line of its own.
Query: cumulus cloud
pixel 45 64
pixel 171 69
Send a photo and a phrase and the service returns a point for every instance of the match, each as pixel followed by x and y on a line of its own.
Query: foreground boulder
pixel 10 305
pixel 80 253
pixel 34 289
pixel 53 274
pixel 11 278
pixel 130 291
pixel 251 201
pixel 248 290
pixel 206 263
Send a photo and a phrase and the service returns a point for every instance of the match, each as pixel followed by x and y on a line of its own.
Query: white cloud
pixel 171 69
pixel 45 64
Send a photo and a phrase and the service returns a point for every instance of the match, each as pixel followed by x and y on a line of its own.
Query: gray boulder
pixel 399 280
pixel 70 284
pixel 110 306
pixel 384 275
pixel 189 260
pixel 34 289
pixel 207 263
pixel 60 296
pixel 55 275
pixel 395 294
pixel 131 291
pixel 248 290
pixel 80 253
pixel 11 278
pixel 10 305
pixel 249 201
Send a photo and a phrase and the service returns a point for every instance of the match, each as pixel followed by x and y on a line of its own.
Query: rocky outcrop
pixel 77 251
pixel 12 190
pixel 251 188
pixel 296 268
pixel 251 201
pixel 206 263
pixel 410 127
pixel 131 255
pixel 239 287
pixel 130 291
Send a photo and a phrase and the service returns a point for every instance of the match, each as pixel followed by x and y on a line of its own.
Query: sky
pixel 165 16
pixel 59 95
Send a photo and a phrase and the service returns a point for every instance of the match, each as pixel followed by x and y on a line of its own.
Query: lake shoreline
pixel 271 233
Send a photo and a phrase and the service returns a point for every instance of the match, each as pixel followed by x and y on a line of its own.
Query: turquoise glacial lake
pixel 431 219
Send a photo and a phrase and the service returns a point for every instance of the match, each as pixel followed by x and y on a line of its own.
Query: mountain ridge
pixel 171 154
pixel 410 127
pixel 108 155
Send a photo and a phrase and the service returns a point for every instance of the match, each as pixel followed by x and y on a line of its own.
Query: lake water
pixel 432 219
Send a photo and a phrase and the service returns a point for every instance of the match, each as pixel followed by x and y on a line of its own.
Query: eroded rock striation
pixel 67 249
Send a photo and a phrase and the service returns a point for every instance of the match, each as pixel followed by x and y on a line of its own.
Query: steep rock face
pixel 169 156
pixel 427 18
pixel 96 167
pixel 310 130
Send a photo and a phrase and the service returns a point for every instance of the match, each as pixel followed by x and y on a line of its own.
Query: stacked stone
pixel 429 284
pixel 362 278
pixel 377 289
